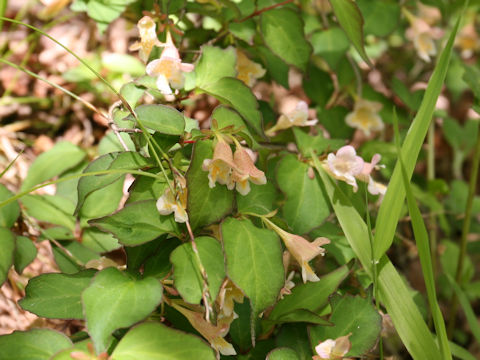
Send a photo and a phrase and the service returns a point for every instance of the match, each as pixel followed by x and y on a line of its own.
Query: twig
pixel 113 125
pixel 258 12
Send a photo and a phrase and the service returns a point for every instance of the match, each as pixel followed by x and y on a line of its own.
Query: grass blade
pixel 422 240
pixel 392 289
pixel 467 308
pixel 392 203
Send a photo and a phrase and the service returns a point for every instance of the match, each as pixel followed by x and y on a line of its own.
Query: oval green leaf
pixel 115 300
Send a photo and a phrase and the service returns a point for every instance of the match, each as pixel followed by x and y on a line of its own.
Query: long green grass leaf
pixel 422 240
pixel 460 352
pixel 467 308
pixel 392 203
pixel 392 289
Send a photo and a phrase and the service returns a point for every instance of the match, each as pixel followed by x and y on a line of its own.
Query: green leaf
pixel 136 255
pixel 317 143
pixel 392 203
pixel 152 341
pixel 472 78
pixel 331 44
pixel 36 344
pixel 295 336
pixel 50 208
pixel 282 354
pixel 123 64
pixel 350 19
pixel 158 265
pixel 241 327
pixel 128 160
pixel 57 296
pixel 423 246
pixel 351 315
pixel 105 11
pixel 115 300
pixel 7 244
pixel 238 95
pixel 381 17
pixel 82 346
pixel 228 117
pixel 161 118
pixel 300 315
pixel 214 64
pixel 311 295
pixel 245 30
pixel 318 85
pixel 102 202
pixel 10 212
pixel 254 261
pixel 276 67
pixel 305 206
pixel 63 156
pixel 136 223
pixel 260 200
pixel 392 289
pixel 282 31
pixel 205 205
pixel 25 253
pixel 187 276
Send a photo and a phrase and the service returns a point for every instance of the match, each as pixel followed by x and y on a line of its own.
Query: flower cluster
pixel 346 166
pixel 298 117
pixel 233 170
pixel 365 116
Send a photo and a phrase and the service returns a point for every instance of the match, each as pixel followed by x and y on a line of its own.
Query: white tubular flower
pixel 169 69
pixel 248 71
pixel 148 38
pixel 174 203
pixel 298 117
pixel 301 249
pixel 220 166
pixel 365 116
pixel 333 349
pixel 423 36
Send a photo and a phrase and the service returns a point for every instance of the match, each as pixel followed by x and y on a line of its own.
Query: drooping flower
pixel 169 69
pixel 333 349
pixel 365 116
pixel 174 203
pixel 298 117
pixel 423 36
pixel 213 333
pixel 247 70
pixel 245 170
pixel 228 295
pixel 220 166
pixel 148 38
pixel 301 249
pixel 468 41
pixel 345 165
pixel 52 8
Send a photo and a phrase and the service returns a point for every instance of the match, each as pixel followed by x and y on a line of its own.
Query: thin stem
pixel 465 229
pixel 75 176
pixel 125 103
pixel 207 297
pixel 258 12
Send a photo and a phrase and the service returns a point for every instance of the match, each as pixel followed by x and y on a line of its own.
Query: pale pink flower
pixel 333 349
pixel 298 117
pixel 245 171
pixel 345 165
pixel 220 166
pixel 247 70
pixel 301 249
pixel 365 116
pixel 148 38
pixel 423 36
pixel 169 69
